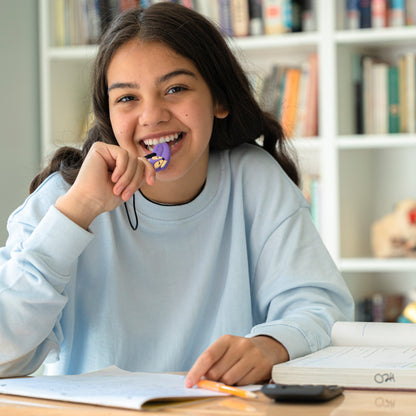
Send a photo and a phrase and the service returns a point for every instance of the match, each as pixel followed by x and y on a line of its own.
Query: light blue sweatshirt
pixel 243 258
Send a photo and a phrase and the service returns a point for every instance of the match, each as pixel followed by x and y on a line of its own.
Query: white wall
pixel 19 104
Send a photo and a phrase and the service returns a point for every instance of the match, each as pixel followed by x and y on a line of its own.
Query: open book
pixel 370 355
pixel 108 387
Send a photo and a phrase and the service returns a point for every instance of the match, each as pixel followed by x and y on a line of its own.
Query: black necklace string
pixel 134 227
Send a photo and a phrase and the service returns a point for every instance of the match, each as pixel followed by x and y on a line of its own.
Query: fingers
pixel 129 172
pixel 231 360
pixel 206 361
pixel 236 360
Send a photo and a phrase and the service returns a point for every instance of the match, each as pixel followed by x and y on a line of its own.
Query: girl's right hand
pixel 108 176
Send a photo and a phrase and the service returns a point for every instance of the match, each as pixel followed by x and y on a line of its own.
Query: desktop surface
pixel 351 403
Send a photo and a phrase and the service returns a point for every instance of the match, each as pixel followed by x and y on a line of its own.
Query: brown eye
pixel 126 99
pixel 176 89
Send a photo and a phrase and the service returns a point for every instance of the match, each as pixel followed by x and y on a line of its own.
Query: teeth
pixel 163 139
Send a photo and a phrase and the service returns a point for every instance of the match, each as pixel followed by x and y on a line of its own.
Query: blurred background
pixel 19 104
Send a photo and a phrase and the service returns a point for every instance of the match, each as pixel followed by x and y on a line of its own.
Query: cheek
pixel 121 126
pixel 202 114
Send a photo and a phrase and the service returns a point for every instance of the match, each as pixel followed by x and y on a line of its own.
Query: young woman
pixel 212 266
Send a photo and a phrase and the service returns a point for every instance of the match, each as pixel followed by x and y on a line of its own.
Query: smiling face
pixel 156 95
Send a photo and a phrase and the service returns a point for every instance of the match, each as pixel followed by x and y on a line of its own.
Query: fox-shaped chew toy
pixel 160 156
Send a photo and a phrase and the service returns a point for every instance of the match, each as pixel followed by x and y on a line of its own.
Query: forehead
pixel 154 58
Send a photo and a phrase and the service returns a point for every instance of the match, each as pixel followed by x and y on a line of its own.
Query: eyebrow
pixel 163 78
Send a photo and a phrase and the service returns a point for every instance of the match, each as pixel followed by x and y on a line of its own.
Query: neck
pixel 179 191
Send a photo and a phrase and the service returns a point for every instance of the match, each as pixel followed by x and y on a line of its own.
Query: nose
pixel 153 112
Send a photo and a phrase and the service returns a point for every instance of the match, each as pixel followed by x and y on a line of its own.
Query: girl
pixel 213 265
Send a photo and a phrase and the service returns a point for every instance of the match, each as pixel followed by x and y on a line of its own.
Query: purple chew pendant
pixel 160 157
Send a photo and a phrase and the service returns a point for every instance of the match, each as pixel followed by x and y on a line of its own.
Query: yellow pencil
pixel 223 388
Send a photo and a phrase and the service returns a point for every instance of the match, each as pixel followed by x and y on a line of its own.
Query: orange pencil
pixel 223 388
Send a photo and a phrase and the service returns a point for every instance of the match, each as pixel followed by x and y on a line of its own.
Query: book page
pixel 365 357
pixel 109 387
pixel 374 334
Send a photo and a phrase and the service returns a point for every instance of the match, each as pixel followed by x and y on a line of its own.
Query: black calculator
pixel 301 392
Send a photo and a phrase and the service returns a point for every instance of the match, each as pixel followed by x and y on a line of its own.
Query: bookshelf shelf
pixel 376 141
pixel 284 41
pixel 372 37
pixel 371 265
pixel 361 176
pixel 72 52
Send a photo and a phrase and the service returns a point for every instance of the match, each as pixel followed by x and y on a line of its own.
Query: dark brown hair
pixel 191 35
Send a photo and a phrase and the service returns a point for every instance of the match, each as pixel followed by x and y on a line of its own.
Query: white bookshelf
pixel 362 177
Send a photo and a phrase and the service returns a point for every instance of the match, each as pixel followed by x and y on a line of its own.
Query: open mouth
pixel 171 140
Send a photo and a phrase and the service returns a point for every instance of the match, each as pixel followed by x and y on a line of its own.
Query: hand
pixel 237 360
pixel 108 176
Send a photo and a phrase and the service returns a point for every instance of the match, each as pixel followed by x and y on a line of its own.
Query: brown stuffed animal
pixel 395 234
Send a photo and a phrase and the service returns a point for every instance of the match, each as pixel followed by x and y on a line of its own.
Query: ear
pixel 220 111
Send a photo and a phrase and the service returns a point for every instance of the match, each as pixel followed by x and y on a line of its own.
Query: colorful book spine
pixel 379 101
pixel 296 15
pixel 272 17
pixel 379 13
pixel 365 14
pixel 224 14
pixel 240 20
pixel 311 119
pixel 290 100
pixel 410 86
pixel 358 93
pixel 402 94
pixel 396 13
pixel 308 16
pixel 256 17
pixel 353 14
pixel 393 99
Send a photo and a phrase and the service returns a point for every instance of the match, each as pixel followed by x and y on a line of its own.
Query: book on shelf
pixel 352 14
pixel 292 15
pixel 273 17
pixel 379 13
pixel 290 100
pixel 363 14
pixel 409 88
pixel 358 93
pixel 81 22
pixel 290 92
pixel 310 125
pixel 240 18
pixel 308 13
pixel 224 17
pixel 393 97
pixel 363 355
pixel 256 17
pixel 379 98
pixel 396 13
pixel 111 387
pixel 401 63
pixel 387 90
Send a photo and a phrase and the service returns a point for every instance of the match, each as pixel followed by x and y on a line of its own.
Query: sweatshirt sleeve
pixel 35 266
pixel 298 290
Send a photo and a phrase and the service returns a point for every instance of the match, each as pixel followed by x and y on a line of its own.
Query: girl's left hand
pixel 238 361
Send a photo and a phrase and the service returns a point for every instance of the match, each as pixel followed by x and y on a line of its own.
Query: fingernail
pixel 188 383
